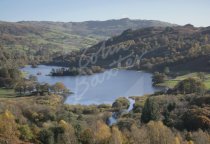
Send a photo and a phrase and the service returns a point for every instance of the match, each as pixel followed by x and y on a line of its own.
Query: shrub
pixel 137 107
pixel 46 136
pixel 125 123
pixel 87 137
pixel 121 103
pixel 25 132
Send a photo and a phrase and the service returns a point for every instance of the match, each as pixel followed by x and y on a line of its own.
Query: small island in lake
pixel 71 72
pixel 76 71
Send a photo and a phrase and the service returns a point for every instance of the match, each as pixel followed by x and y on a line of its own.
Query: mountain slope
pixel 32 35
pixel 155 48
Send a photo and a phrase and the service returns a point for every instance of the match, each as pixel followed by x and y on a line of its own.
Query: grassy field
pixel 7 93
pixel 172 82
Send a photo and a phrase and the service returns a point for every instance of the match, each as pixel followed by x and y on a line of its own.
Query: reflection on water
pixel 99 88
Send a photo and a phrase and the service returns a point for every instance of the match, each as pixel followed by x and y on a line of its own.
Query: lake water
pixel 99 88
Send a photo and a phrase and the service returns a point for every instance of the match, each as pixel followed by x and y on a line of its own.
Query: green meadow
pixel 172 82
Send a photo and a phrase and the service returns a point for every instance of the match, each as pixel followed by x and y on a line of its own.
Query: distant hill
pixel 181 48
pixel 54 36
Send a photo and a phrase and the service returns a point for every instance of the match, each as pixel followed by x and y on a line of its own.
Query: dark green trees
pixel 189 85
pixel 121 103
pixel 8 77
pixel 151 111
pixel 46 137
pixel 158 78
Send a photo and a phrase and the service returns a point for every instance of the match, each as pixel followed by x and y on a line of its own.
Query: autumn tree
pixel 153 133
pixel 102 132
pixel 200 137
pixel 59 88
pixel 117 137
pixel 68 135
pixel 159 134
pixel 8 127
pixel 87 137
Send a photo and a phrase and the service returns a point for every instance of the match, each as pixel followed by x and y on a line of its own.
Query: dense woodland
pixel 15 58
pixel 180 115
pixel 174 118
pixel 181 48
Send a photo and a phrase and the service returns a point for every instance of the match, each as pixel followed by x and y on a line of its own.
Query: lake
pixel 101 88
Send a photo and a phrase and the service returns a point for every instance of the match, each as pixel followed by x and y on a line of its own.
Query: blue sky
pixel 196 12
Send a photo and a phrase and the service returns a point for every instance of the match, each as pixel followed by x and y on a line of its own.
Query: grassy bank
pixel 172 82
pixel 7 93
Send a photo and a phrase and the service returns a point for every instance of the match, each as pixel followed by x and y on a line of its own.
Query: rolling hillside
pixel 181 48
pixel 57 36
